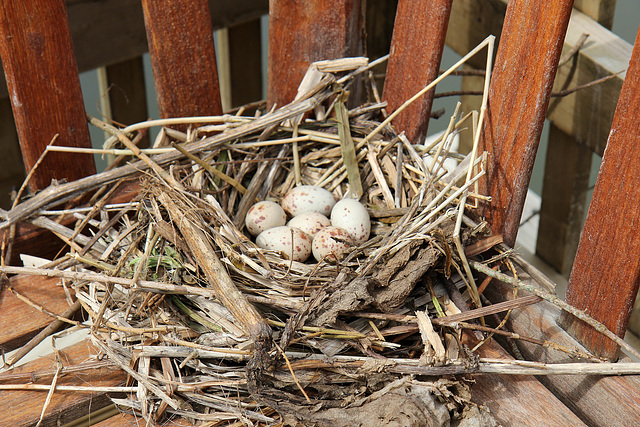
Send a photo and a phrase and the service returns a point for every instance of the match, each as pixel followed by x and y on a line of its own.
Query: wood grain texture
pixel 128 420
pixel 516 400
pixel 525 67
pixel 606 273
pixel 182 57
pixel 23 408
pixel 598 401
pixel 19 321
pixel 42 78
pixel 567 169
pixel 414 62
pixel 301 32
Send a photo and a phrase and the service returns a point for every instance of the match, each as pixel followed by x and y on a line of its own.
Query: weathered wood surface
pixel 414 61
pixel 182 57
pixel 525 65
pixel 587 115
pixel 517 400
pixel 42 77
pixel 23 408
pixel 302 32
pixel 20 322
pixel 598 401
pixel 567 169
pixel 606 273
pixel 126 420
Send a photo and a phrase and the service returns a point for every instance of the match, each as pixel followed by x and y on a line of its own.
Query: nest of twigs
pixel 212 328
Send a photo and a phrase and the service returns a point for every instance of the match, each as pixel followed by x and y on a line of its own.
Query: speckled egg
pixel 331 243
pixel 307 198
pixel 291 242
pixel 309 222
pixel 352 216
pixel 263 216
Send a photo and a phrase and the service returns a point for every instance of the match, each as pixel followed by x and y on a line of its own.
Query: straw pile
pixel 212 328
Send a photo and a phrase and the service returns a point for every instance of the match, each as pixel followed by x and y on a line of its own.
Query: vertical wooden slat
pixel 44 87
pixel 606 273
pixel 301 32
pixel 182 57
pixel 564 195
pixel 414 61
pixel 127 94
pixel 245 62
pixel 567 169
pixel 525 68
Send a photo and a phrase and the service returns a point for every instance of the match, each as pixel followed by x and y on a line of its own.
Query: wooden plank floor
pixel 19 321
pixel 23 408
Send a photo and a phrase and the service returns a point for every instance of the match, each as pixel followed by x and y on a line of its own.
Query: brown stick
pixel 204 253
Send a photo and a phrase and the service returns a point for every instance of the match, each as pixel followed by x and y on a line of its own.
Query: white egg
pixel 308 198
pixel 331 243
pixel 291 242
pixel 309 222
pixel 353 217
pixel 263 216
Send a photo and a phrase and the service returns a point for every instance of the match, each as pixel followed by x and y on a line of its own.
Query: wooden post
pixel 564 195
pixel 44 88
pixel 301 32
pixel 606 273
pixel 567 168
pixel 414 61
pixel 525 67
pixel 127 95
pixel 182 57
pixel 245 63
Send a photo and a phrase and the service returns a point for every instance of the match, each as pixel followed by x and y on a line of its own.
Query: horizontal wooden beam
pixel 22 408
pixel 595 399
pixel 106 32
pixel 585 115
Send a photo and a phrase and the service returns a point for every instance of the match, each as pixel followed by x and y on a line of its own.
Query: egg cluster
pixel 318 224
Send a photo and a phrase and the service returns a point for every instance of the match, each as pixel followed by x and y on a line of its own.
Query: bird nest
pixel 215 329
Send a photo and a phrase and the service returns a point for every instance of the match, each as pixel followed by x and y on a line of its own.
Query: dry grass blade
pixel 348 148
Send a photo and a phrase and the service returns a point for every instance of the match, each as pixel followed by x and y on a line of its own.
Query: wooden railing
pixel 116 39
